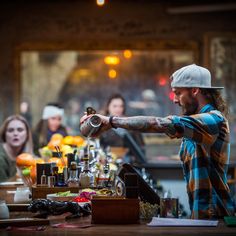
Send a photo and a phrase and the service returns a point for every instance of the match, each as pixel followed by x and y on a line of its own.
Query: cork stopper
pixel 73 165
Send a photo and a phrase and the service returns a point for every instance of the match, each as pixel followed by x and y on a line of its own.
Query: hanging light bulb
pixel 112 74
pixel 112 60
pixel 127 54
pixel 100 2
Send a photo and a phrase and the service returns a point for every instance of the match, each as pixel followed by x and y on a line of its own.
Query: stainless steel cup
pixel 51 181
pixel 91 126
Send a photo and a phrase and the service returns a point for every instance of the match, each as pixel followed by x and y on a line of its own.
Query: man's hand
pixel 105 123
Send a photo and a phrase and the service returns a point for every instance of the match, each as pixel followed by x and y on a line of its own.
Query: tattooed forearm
pixel 143 123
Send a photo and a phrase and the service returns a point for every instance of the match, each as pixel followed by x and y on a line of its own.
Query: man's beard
pixel 190 107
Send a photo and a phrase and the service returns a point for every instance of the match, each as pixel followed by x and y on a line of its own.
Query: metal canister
pixel 51 181
pixel 91 126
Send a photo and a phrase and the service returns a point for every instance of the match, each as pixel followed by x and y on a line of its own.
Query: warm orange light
pixel 112 60
pixel 127 54
pixel 112 74
pixel 100 2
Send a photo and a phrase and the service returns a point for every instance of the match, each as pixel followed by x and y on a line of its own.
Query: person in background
pixel 148 106
pixel 25 112
pixel 72 115
pixel 204 130
pixel 51 123
pixel 116 106
pixel 16 138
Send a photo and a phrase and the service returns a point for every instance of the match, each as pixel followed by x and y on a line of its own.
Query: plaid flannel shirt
pixel 204 153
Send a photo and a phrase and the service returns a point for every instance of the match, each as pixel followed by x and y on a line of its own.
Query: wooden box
pixel 115 210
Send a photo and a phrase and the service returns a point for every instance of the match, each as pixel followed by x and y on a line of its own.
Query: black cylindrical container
pixel 42 168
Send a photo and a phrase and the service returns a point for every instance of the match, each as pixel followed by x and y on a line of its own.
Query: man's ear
pixel 195 91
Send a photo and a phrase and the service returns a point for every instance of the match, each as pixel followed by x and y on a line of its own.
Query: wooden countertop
pixel 123 230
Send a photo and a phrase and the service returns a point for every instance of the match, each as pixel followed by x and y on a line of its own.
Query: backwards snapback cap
pixel 192 76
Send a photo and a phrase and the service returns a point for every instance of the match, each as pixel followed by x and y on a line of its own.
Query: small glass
pixel 22 195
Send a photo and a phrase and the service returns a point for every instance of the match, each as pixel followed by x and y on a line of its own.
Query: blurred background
pixel 78 53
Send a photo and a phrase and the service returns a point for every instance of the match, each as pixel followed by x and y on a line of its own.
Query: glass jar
pixel 4 212
pixel 22 195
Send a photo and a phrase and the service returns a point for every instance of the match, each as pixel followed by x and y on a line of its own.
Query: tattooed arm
pixel 149 124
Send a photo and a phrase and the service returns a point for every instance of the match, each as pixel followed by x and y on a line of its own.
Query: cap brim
pixel 197 87
pixel 215 88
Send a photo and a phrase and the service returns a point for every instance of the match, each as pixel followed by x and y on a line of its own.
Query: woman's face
pixel 54 123
pixel 16 133
pixel 116 107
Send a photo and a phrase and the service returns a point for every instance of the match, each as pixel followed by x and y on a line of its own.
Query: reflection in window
pixel 78 79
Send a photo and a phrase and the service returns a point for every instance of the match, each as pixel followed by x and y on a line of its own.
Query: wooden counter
pixel 123 230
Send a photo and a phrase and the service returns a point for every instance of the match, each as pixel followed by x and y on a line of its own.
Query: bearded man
pixel 205 147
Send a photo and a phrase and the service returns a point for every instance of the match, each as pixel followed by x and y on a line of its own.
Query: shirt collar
pixel 207 108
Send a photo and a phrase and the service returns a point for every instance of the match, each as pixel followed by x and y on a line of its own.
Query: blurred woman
pixel 116 106
pixel 16 138
pixel 51 123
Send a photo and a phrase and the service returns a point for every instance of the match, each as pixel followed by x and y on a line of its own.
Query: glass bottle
pixel 73 180
pixel 86 177
pixel 103 177
pixel 61 180
pixel 55 173
pixel 43 180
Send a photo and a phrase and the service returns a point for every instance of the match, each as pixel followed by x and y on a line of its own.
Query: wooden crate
pixel 114 210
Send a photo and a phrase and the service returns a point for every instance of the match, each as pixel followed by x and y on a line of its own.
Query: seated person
pixel 16 138
pixel 116 106
pixel 51 123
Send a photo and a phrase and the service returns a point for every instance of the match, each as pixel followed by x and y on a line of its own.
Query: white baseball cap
pixel 192 76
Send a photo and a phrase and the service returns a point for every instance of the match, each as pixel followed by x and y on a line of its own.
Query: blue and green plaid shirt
pixel 204 153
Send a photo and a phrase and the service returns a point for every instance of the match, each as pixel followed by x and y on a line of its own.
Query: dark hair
pixel 55 104
pixel 40 133
pixel 215 98
pixel 112 97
